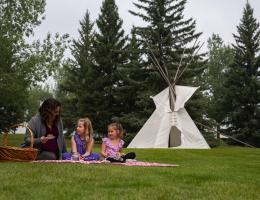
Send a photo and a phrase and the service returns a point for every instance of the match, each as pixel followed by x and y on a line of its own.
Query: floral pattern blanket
pixel 128 163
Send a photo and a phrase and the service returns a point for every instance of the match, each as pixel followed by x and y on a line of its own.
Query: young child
pixel 82 142
pixel 112 145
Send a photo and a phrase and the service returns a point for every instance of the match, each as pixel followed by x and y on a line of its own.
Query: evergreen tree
pixel 167 34
pixel 133 111
pixel 109 54
pixel 83 53
pixel 243 85
pixel 219 57
pixel 171 38
pixel 75 85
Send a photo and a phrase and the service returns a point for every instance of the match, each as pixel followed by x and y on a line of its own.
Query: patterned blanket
pixel 129 163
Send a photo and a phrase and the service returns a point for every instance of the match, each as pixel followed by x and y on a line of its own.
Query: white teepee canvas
pixel 166 128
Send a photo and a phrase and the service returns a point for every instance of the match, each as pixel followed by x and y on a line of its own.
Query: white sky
pixel 212 16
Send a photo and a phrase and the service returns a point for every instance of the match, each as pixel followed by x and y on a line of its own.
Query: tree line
pixel 110 75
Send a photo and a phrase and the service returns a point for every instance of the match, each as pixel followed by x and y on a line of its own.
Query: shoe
pixel 119 159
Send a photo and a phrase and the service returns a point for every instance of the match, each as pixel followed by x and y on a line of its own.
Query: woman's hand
pixel 50 136
pixel 43 139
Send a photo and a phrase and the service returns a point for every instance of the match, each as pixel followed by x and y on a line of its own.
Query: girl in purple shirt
pixel 82 142
pixel 112 145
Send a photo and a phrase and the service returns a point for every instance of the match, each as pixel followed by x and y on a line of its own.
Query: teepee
pixel 170 125
pixel 166 128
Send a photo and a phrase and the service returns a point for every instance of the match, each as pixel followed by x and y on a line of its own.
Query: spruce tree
pixel 109 54
pixel 171 38
pixel 167 33
pixel 133 111
pixel 242 86
pixel 82 52
pixel 75 84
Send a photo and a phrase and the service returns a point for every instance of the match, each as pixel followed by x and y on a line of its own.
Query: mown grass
pixel 220 173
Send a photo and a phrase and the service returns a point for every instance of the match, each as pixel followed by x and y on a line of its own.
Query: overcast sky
pixel 212 16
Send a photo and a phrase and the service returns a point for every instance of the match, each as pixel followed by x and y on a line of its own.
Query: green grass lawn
pixel 220 173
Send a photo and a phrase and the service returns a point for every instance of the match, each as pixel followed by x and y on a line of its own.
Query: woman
pixel 47 129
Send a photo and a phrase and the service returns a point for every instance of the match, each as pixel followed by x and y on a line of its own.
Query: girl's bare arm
pixel 103 150
pixel 89 147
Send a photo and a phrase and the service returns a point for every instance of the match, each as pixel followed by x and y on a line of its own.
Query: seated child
pixel 112 145
pixel 82 142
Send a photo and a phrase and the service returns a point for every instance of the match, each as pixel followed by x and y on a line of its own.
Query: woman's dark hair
pixel 47 107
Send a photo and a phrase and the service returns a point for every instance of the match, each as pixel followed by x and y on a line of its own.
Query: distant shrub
pixel 128 138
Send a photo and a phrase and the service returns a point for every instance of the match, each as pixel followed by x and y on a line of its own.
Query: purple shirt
pixel 81 144
pixel 51 145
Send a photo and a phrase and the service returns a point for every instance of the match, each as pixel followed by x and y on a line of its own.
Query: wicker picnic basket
pixel 8 153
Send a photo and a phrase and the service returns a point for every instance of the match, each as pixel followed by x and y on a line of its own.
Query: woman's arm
pixel 103 150
pixel 32 124
pixel 64 148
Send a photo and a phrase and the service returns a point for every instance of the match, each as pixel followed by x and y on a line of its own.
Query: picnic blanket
pixel 128 163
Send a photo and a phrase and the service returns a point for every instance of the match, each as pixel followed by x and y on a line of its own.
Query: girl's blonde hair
pixel 88 134
pixel 117 126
